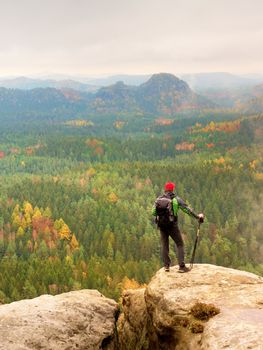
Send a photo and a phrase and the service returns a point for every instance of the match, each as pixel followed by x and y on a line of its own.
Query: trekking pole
pixel 195 245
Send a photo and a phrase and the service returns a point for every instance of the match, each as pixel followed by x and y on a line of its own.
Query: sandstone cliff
pixel 80 320
pixel 162 315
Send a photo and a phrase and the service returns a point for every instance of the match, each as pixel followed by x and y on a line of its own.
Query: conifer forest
pixel 77 189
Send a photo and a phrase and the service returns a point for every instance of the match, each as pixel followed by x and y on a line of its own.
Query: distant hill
pixel 166 94
pixel 258 90
pixel 115 98
pixel 36 102
pixel 226 90
pixel 135 80
pixel 162 94
pixel 256 76
pixel 25 83
pixel 199 82
pixel 219 81
pixel 254 104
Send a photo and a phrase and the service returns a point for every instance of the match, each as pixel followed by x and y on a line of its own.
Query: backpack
pixel 164 212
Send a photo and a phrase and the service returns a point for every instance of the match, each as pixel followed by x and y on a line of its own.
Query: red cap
pixel 169 186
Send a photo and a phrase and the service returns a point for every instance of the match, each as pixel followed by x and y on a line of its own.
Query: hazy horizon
pixel 105 38
pixel 62 76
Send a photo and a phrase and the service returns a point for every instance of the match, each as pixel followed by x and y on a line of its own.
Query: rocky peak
pixel 115 93
pixel 164 82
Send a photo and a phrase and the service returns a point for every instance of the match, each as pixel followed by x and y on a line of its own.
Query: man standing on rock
pixel 165 210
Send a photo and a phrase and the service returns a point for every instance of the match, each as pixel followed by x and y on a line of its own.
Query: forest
pixel 76 195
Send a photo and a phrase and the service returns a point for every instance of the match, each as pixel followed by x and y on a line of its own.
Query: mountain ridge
pixel 196 81
pixel 163 93
pixel 25 83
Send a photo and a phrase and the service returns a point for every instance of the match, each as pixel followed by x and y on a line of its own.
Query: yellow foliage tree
pixel 20 232
pixel 91 172
pixel 112 197
pixel 65 232
pixel 16 221
pixel 259 176
pixel 253 164
pixel 69 260
pixel 212 126
pixel 16 210
pixel 37 213
pixel 74 244
pixel 58 224
pixel 28 219
pixel 130 284
pixel 28 209
pixel 47 213
pixel 23 223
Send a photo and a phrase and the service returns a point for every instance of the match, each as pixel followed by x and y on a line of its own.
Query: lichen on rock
pixel 203 311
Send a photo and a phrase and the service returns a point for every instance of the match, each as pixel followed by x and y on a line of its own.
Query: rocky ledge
pixel 209 308
pixel 80 320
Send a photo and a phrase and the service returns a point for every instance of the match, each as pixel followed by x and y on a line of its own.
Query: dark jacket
pixel 177 203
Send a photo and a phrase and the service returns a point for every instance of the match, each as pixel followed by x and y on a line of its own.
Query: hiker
pixel 165 210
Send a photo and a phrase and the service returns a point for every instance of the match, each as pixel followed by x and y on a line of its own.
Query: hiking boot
pixel 166 268
pixel 183 269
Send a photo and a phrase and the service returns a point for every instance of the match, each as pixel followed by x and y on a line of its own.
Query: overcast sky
pixel 101 37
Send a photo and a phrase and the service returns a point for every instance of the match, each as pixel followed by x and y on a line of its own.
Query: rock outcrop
pixel 209 308
pixel 82 319
pixel 162 315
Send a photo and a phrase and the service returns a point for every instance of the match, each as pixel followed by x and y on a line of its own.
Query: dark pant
pixel 175 233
